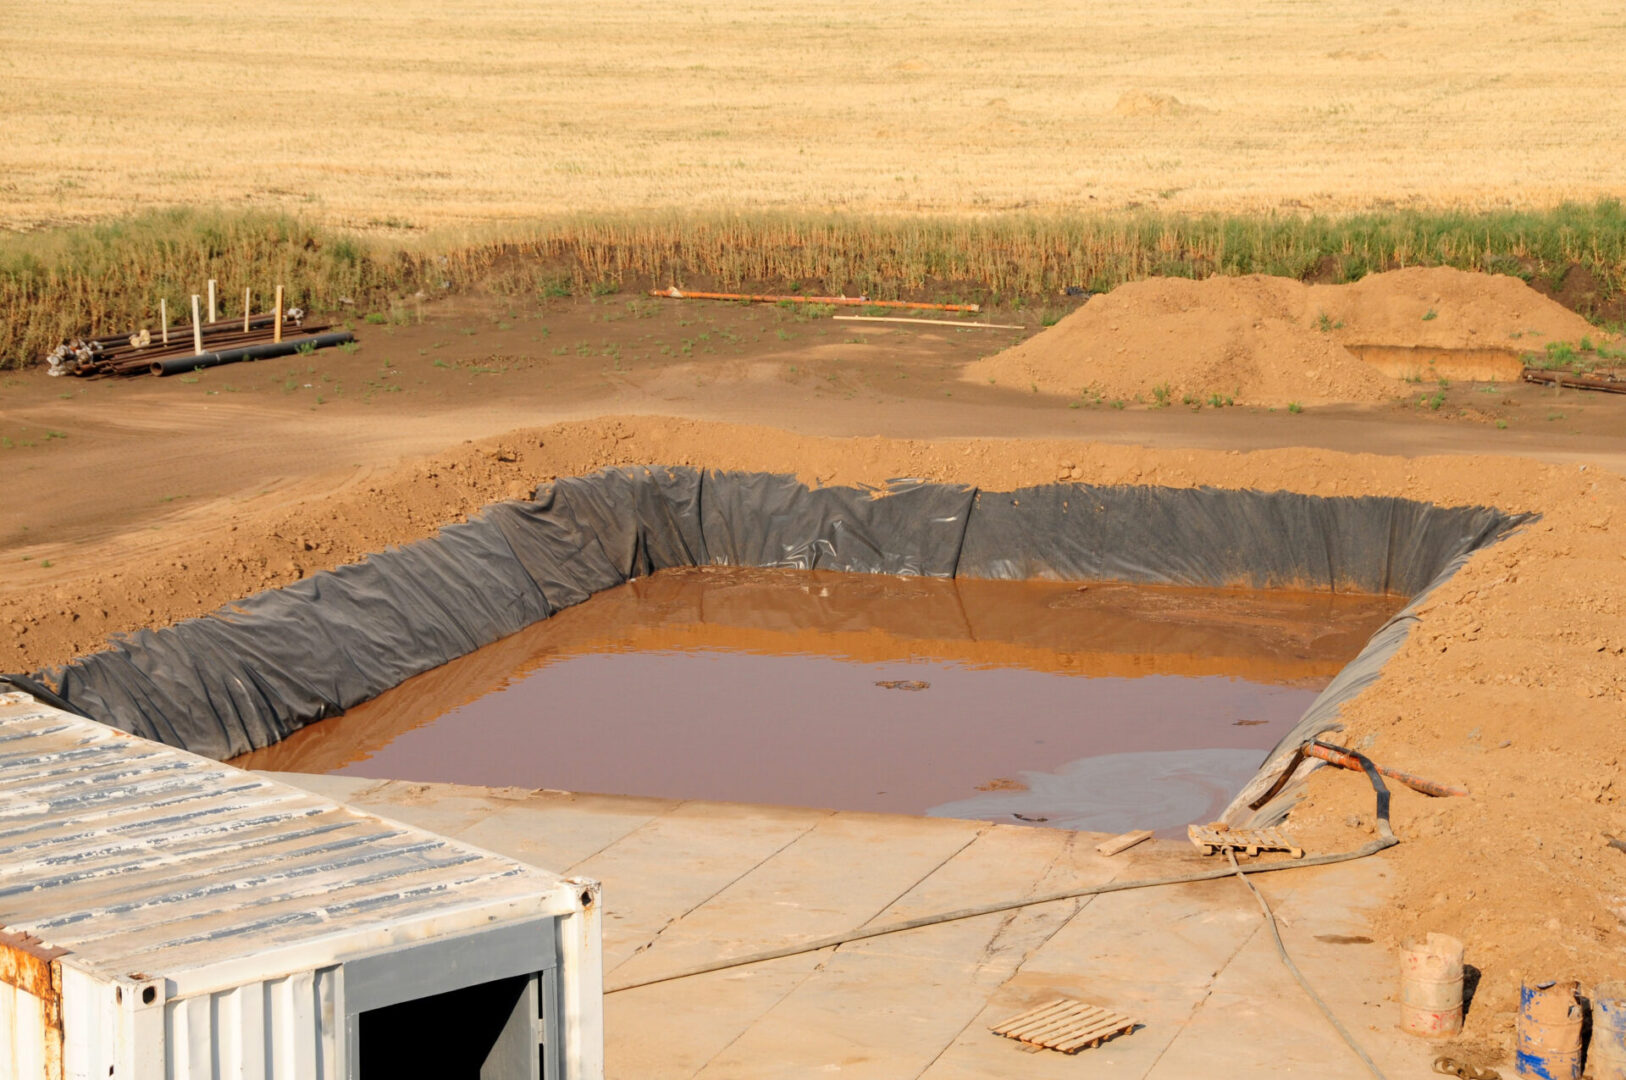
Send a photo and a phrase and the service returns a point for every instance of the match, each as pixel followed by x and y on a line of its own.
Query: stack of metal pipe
pixel 210 344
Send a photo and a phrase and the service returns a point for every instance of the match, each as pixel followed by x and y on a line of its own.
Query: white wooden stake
pixel 276 320
pixel 211 300
pixel 197 327
pixel 248 300
pixel 163 316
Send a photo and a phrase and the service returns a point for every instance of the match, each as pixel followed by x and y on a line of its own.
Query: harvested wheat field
pixel 1258 340
pixel 414 114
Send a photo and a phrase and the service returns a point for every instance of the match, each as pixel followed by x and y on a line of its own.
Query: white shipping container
pixel 168 917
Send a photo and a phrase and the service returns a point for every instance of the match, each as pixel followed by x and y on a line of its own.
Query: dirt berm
pixel 1273 341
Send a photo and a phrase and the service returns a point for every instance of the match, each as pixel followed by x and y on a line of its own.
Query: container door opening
pixel 480 1007
pixel 484 1032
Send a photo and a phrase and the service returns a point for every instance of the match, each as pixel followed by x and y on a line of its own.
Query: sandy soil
pixel 1273 341
pixel 164 499
pixel 412 114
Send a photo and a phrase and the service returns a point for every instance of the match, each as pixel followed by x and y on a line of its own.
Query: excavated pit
pixel 1078 706
pixel 249 676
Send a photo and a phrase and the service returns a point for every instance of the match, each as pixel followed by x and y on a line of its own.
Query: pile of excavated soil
pixel 1259 340
pixel 1512 683
pixel 1440 307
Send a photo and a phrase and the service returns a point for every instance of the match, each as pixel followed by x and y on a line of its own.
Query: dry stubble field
pixel 426 114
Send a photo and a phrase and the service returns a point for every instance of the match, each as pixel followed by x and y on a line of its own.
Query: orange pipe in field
pixel 848 301
pixel 1416 783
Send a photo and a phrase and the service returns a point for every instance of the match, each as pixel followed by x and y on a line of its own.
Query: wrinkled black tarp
pixel 250 674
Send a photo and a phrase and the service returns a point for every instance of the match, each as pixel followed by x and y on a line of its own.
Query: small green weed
pixel 1294 407
pixel 1430 315
pixel 376 318
pixel 1160 395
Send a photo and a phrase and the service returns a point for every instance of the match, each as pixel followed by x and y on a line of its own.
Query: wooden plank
pixel 931 322
pixel 1123 842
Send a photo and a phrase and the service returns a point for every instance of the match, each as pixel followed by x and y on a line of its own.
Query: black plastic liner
pixel 254 672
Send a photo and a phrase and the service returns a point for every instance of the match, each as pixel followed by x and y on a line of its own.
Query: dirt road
pixel 90 461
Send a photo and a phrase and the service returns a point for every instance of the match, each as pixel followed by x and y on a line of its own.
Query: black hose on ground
pixel 1386 839
pixel 1382 791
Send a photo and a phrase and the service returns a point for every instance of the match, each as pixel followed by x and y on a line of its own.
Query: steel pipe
pixel 175 365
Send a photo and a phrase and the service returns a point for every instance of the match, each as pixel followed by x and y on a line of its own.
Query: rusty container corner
pixel 30 1007
pixel 168 917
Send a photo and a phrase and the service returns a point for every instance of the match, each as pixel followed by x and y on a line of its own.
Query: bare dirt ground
pixel 416 114
pixel 1273 341
pixel 155 500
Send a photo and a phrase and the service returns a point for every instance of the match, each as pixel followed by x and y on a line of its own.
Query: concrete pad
pixel 680 860
pixel 342 788
pixel 1000 864
pixel 921 987
pixel 843 872
pixel 1257 1004
pixel 562 830
pixel 659 1031
pixel 688 883
pixel 911 1008
pixel 444 808
pixel 1151 954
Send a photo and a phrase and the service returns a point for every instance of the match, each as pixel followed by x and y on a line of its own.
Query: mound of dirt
pixel 1444 308
pixel 1166 340
pixel 1259 340
pixel 1140 103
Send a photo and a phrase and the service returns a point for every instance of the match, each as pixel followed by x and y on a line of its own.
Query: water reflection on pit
pixel 1098 706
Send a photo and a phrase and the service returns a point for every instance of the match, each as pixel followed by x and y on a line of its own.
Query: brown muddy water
pixel 1102 706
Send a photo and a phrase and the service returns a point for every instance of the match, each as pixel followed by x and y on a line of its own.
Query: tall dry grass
pixel 109 277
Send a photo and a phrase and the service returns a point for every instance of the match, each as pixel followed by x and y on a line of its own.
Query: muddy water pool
pixel 1099 706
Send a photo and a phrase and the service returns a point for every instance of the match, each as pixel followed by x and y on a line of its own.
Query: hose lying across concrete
pixel 1386 839
pixel 1382 792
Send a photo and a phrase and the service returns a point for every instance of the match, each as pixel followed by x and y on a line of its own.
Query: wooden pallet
pixel 1066 1025
pixel 1247 841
